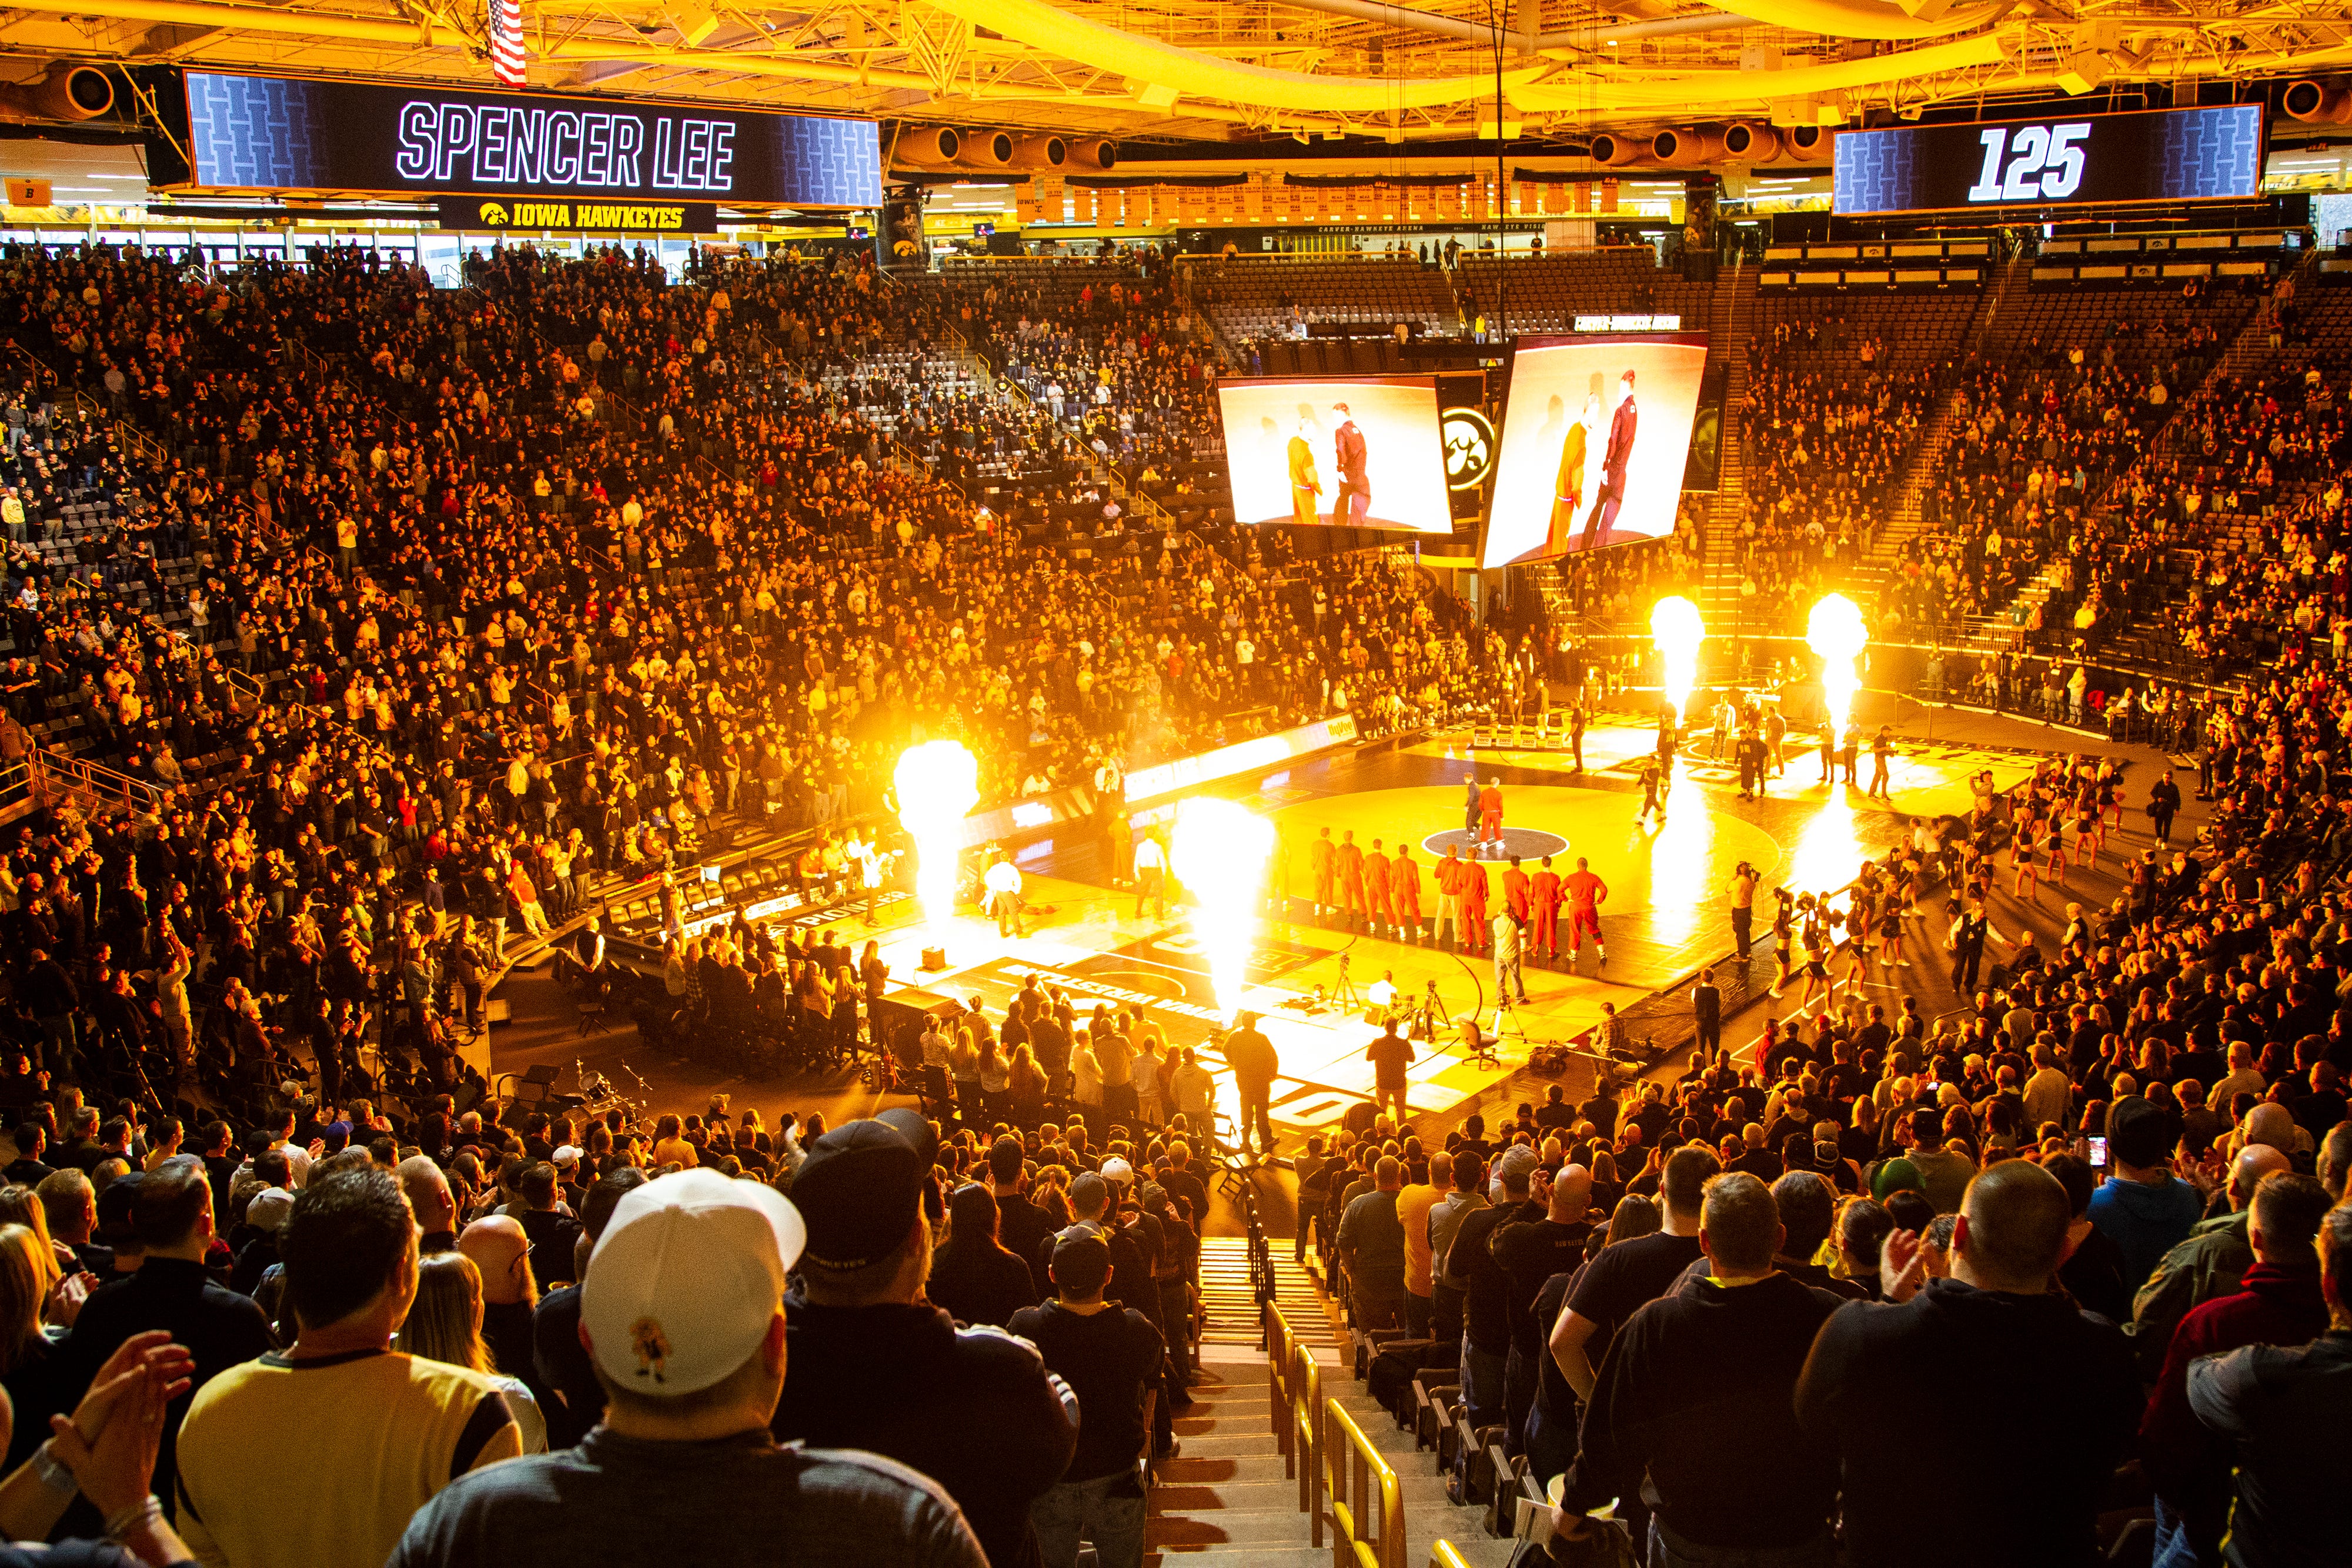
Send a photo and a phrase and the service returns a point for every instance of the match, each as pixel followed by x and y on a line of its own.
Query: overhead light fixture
pixel 2085 69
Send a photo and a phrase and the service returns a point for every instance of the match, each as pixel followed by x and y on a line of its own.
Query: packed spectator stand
pixel 406 616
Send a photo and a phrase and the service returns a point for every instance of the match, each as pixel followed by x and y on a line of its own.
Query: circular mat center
pixel 1527 843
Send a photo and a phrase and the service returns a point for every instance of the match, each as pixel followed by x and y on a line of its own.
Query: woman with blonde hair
pixel 19 1205
pixel 1026 1083
pixel 445 1325
pixel 995 1081
pixel 30 1368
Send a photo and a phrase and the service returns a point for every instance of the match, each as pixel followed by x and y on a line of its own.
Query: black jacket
pixel 46 991
pixel 1934 1387
pixel 1695 1389
pixel 974 1409
pixel 220 1328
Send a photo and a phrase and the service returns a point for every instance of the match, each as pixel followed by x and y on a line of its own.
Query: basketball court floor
pixel 1666 914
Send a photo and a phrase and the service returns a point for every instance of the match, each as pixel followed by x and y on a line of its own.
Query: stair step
pixel 1424 1495
pixel 1210 1470
pixel 1280 1526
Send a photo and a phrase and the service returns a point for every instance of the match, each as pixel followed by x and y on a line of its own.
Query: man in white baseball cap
pixel 682 1310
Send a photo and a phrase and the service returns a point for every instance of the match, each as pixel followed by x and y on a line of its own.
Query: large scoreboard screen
pixel 2055 161
pixel 281 132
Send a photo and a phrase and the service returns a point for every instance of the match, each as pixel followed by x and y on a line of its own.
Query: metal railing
pixel 1355 1471
pixel 1442 1555
pixel 47 777
pixel 1294 1395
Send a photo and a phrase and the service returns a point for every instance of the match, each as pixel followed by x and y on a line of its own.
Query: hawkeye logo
pixel 1469 440
pixel 493 215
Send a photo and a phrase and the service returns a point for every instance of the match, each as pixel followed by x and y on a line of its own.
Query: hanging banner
pixel 470 213
pixel 250 132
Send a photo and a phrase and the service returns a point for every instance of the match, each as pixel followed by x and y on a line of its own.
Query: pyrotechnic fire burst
pixel 1835 631
pixel 1219 851
pixel 939 784
pixel 1677 631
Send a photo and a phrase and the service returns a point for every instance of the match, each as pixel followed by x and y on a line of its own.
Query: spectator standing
pixel 1626 1275
pixel 681 1306
pixel 1107 1354
pixel 974 1275
pixel 1530 1252
pixel 1928 1383
pixel 2210 1264
pixel 2281 1304
pixel 1021 1226
pixel 564 1364
pixel 873 1365
pixel 1419 1199
pixel 501 1256
pixel 2144 1207
pixel 1445 1288
pixel 2282 1412
pixel 553 1232
pixel 444 1323
pixel 171 1291
pixel 1485 1320
pixel 350 1253
pixel 1695 1392
pixel 1371 1240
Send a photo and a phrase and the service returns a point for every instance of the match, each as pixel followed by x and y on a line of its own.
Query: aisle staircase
pixel 1285 1459
pixel 1732 319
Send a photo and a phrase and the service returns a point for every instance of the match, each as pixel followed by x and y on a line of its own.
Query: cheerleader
pixel 2054 866
pixel 2090 831
pixel 2111 796
pixel 1862 918
pixel 1903 903
pixel 2022 845
pixel 1784 937
pixel 1814 940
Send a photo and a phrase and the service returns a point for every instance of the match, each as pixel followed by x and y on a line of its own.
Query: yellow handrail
pixel 1306 1438
pixel 1442 1555
pixel 1354 1467
pixel 1279 1347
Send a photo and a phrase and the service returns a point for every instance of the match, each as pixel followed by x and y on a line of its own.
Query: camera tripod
pixel 1423 1020
pixel 1343 989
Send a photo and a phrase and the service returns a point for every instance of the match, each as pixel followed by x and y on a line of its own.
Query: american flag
pixel 506 43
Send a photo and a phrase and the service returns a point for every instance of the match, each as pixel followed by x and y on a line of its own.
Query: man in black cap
pixel 1107 1354
pixel 871 1365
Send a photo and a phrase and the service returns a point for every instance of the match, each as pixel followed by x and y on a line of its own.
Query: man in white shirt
pixel 1004 885
pixel 1508 980
pixel 1151 876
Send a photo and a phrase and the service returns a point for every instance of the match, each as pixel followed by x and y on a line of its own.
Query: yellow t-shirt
pixel 1413 1204
pixel 302 1464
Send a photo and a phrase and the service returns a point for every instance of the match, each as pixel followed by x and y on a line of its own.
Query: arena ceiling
pixel 1226 69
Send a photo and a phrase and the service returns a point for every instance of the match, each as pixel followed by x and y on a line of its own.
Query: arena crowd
pixel 418 621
